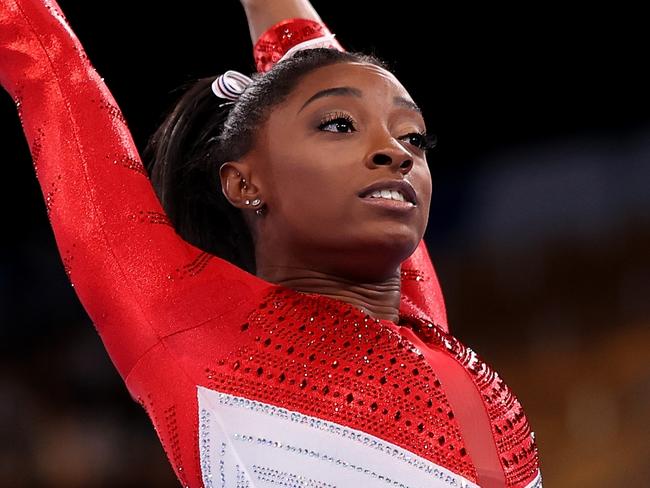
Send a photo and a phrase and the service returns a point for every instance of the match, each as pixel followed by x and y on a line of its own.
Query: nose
pixel 390 152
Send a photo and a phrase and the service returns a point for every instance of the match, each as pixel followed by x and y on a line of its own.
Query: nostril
pixel 381 159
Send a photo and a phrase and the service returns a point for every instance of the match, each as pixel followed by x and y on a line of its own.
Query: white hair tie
pixel 323 41
pixel 231 85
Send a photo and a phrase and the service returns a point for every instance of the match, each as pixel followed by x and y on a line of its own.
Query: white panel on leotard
pixel 537 482
pixel 250 444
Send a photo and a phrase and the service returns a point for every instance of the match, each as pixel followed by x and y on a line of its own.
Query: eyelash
pixel 426 143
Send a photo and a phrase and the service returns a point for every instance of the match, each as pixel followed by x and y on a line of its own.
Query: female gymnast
pixel 262 286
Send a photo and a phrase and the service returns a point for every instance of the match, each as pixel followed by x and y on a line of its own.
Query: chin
pixel 396 244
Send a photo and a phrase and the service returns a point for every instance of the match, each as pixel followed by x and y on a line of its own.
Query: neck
pixel 380 299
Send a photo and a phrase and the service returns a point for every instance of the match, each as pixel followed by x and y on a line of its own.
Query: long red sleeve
pixel 124 259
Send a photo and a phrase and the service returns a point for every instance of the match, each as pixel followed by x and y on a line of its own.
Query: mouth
pixel 398 193
pixel 389 203
pixel 390 195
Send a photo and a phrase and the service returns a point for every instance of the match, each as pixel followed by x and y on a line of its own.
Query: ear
pixel 232 175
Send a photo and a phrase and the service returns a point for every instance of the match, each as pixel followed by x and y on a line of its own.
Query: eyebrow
pixel 405 102
pixel 355 92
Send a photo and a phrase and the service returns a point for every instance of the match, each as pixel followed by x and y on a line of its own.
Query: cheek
pixel 428 183
pixel 309 188
pixel 425 197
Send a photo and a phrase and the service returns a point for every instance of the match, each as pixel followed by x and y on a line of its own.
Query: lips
pixel 402 186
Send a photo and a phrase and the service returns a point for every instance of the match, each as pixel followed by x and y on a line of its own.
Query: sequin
pixel 115 113
pixel 150 217
pixel 369 461
pixel 412 274
pixel 68 258
pixel 284 478
pixel 50 194
pixel 36 147
pixel 129 162
pixel 174 450
pixel 191 269
pixel 278 39
pixel 204 445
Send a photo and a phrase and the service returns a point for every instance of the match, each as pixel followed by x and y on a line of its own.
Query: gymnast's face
pixel 344 127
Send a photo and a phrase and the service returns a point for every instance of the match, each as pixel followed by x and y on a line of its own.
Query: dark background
pixel 539 225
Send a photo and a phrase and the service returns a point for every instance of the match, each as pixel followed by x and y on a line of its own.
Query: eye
pixel 340 123
pixel 420 140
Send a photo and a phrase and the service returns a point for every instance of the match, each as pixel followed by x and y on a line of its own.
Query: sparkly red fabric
pixel 173 317
pixel 279 38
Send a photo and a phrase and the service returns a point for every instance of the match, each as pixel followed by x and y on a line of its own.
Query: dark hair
pixel 202 132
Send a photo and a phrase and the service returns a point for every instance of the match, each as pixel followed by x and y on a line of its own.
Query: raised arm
pixel 130 269
pixel 275 27
pixel 262 15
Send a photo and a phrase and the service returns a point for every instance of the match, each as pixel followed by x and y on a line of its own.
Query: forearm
pixel 262 14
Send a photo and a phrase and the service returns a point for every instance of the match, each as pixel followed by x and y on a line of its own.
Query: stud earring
pixel 254 202
pixel 257 201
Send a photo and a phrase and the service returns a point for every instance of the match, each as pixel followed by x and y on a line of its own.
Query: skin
pixel 262 14
pixel 317 235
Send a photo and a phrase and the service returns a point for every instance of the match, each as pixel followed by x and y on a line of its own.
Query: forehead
pixel 369 78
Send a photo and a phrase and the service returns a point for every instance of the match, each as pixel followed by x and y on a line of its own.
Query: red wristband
pixel 279 38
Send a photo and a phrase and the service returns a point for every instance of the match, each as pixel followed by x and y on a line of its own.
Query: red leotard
pixel 248 383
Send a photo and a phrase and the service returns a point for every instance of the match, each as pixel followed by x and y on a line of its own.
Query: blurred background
pixel 539 226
